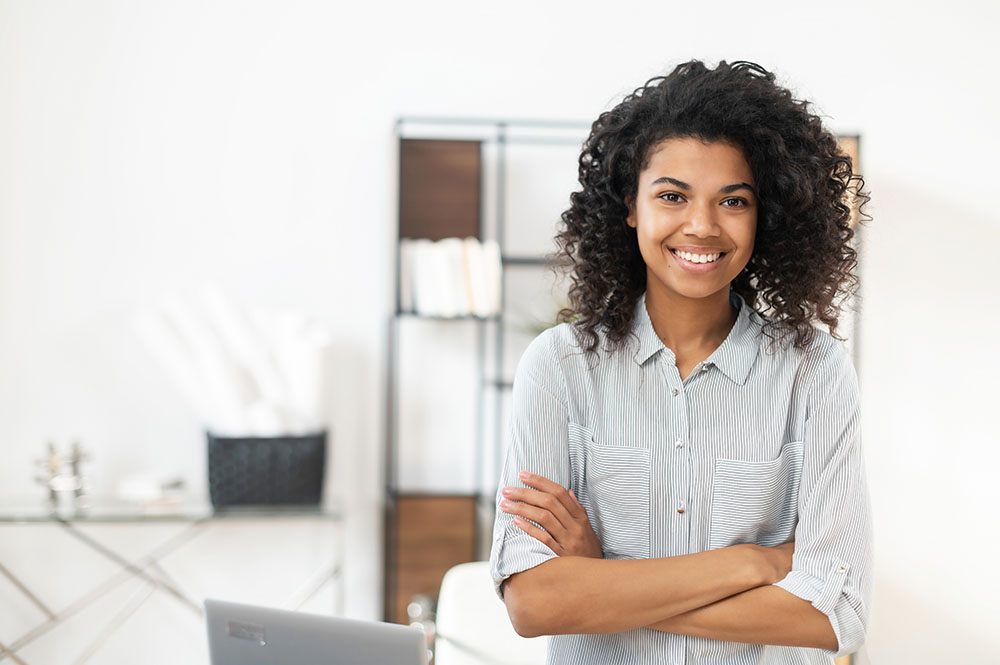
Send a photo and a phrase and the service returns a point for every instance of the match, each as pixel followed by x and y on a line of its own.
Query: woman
pixel 684 481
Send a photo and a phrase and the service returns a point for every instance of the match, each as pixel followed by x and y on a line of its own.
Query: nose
pixel 702 221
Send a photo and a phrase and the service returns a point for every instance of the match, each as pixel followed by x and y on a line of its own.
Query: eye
pixel 672 197
pixel 734 202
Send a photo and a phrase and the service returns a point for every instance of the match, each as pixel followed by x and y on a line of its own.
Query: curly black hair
pixel 803 264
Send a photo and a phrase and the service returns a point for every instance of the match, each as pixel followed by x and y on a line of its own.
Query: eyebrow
pixel 728 189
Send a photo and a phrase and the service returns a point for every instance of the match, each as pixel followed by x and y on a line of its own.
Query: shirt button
pixel 680 509
pixel 675 391
pixel 678 444
pixel 704 368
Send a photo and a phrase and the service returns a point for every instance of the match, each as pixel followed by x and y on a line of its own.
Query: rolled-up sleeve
pixel 832 565
pixel 537 441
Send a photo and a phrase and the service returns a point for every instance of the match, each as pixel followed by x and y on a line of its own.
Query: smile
pixel 698 258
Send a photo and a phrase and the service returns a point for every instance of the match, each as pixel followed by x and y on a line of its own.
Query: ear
pixel 631 219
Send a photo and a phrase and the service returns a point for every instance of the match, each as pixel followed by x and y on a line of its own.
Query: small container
pixel 266 470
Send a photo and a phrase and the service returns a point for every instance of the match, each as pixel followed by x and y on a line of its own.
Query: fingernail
pixel 506 491
pixel 505 504
pixel 517 520
pixel 524 475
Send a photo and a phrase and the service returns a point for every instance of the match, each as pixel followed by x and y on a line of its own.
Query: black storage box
pixel 257 470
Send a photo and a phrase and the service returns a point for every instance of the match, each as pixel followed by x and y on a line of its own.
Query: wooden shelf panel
pixel 439 189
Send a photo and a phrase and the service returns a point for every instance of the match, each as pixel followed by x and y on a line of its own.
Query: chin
pixel 698 292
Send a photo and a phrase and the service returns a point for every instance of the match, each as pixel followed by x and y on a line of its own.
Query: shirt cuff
pixel 826 595
pixel 513 552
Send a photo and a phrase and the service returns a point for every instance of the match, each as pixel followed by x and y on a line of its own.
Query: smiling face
pixel 695 214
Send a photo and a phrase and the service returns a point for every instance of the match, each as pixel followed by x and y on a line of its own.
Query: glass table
pixel 97 584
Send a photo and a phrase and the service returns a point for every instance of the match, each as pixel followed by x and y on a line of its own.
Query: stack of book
pixel 450 277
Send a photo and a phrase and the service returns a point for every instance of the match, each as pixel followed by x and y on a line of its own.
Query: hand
pixel 565 528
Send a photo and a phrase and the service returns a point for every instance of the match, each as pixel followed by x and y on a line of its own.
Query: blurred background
pixel 148 149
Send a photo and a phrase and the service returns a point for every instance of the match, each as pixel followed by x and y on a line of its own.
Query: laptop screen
pixel 250 635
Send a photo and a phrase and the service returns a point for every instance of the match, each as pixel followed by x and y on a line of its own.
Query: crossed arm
pixel 722 594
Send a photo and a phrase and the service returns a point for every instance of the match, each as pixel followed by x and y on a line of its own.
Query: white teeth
pixel 699 258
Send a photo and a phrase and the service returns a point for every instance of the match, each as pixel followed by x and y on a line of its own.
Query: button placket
pixel 679 478
pixel 678 481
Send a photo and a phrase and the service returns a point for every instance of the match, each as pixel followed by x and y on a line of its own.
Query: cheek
pixel 650 244
pixel 746 234
pixel 747 243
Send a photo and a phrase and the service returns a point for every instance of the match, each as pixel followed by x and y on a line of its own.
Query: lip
pixel 696 249
pixel 698 267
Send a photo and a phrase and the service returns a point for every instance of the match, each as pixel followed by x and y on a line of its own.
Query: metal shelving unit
pixel 490 336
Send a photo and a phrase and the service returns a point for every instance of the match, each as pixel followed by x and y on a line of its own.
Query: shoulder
pixel 556 359
pixel 828 370
pixel 818 365
pixel 822 348
pixel 547 352
pixel 826 353
pixel 539 365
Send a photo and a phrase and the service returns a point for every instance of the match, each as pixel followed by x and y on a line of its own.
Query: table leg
pixel 134 603
pixel 131 567
pixel 82 602
pixel 7 653
pixel 27 592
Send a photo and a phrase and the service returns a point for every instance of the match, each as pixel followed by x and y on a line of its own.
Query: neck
pixel 687 323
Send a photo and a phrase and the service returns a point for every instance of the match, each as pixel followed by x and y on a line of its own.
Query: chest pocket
pixel 756 502
pixel 613 485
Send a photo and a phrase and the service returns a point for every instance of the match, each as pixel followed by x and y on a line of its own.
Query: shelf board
pixel 436 317
pixel 507 122
pixel 397 492
pixel 528 261
pixel 495 130
pixel 481 496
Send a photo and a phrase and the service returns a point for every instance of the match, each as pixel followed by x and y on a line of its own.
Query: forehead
pixel 697 162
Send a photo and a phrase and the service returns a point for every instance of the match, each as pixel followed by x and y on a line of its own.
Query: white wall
pixel 148 146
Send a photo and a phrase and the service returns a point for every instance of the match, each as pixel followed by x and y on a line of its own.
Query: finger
pixel 542 500
pixel 549 487
pixel 538 534
pixel 576 500
pixel 540 516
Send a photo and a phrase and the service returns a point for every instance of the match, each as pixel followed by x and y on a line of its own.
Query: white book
pixel 454 294
pixel 422 270
pixel 436 296
pixel 492 274
pixel 475 278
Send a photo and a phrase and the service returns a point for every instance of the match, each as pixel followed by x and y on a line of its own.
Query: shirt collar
pixel 734 357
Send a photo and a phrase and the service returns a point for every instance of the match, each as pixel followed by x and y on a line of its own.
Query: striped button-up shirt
pixel 759 444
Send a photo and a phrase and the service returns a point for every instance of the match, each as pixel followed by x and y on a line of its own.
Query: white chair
pixel 472 623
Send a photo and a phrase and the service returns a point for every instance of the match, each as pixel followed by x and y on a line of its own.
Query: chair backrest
pixel 472 623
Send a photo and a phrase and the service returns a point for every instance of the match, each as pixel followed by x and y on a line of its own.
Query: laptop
pixel 249 635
